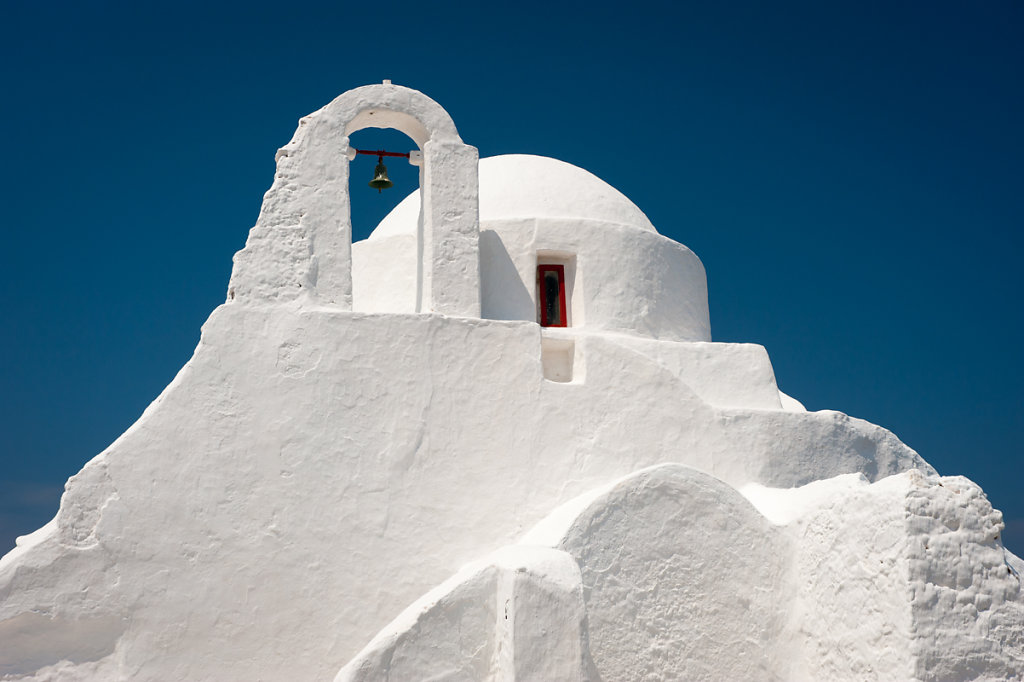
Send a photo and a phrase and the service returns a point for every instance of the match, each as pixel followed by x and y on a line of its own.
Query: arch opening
pixel 447 265
pixel 385 277
pixel 368 206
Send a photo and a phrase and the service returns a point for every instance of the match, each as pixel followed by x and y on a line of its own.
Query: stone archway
pixel 302 242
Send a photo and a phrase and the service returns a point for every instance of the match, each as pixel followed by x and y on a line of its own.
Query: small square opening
pixel 557 356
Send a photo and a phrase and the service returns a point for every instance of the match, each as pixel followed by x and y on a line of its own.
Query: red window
pixel 551 295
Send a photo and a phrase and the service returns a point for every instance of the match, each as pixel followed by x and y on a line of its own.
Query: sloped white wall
pixel 313 472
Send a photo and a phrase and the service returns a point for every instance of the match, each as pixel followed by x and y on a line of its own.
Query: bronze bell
pixel 380 176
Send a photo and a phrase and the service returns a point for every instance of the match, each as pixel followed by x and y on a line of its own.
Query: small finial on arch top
pixel 386 81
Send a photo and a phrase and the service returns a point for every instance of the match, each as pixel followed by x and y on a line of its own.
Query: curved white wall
pixel 625 279
pixel 623 276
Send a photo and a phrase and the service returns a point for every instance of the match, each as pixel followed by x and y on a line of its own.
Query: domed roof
pixel 527 186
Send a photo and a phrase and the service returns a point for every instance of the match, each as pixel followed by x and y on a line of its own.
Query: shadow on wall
pixel 503 294
pixel 33 641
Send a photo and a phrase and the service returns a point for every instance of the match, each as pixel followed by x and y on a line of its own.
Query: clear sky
pixel 850 173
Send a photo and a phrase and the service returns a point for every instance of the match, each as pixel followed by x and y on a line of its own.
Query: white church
pixel 495 442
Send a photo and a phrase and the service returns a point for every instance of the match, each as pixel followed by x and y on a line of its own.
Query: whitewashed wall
pixel 313 470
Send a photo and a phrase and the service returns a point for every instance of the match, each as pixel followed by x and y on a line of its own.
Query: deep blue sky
pixel 849 173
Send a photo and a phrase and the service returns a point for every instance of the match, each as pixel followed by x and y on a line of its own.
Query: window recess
pixel 551 295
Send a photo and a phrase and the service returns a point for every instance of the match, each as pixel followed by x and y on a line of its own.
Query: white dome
pixel 527 186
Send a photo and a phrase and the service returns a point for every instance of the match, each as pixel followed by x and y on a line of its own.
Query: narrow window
pixel 551 295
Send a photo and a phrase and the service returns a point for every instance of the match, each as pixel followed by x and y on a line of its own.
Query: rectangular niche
pixel 551 296
pixel 556 270
pixel 557 357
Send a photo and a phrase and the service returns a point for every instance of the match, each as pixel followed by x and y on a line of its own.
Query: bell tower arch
pixel 302 242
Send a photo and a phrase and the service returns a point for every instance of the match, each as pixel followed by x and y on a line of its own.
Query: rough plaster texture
pixel 966 602
pixel 313 470
pixel 669 598
pixel 682 578
pixel 904 578
pixel 631 589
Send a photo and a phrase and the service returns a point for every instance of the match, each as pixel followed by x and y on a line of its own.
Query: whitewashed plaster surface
pixel 314 470
pixel 623 276
pixel 681 578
